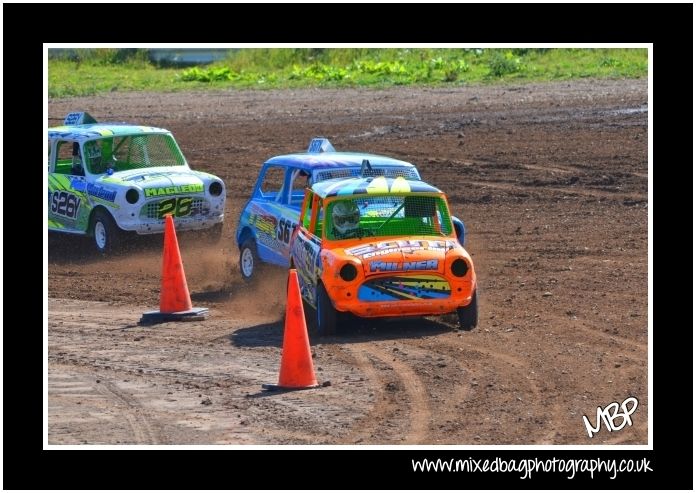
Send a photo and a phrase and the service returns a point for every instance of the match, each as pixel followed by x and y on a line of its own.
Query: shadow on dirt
pixel 220 295
pixel 278 391
pixel 353 330
pixel 263 335
pixel 67 248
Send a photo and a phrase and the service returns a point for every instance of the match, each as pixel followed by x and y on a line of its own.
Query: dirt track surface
pixel 552 183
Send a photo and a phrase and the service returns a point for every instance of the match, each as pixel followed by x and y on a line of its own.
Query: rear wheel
pixel 468 315
pixel 326 313
pixel 248 259
pixel 105 232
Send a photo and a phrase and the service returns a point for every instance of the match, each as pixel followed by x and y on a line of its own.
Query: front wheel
pixel 468 315
pixel 326 313
pixel 248 259
pixel 105 232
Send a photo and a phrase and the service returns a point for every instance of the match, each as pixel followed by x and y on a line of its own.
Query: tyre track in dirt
pixel 144 428
pixel 586 192
pixel 101 398
pixel 574 169
pixel 633 350
pixel 553 417
pixel 369 358
pixel 419 401
pixel 480 370
pixel 434 362
pixel 613 339
pixel 424 427
pixel 560 412
pixel 365 428
pixel 493 366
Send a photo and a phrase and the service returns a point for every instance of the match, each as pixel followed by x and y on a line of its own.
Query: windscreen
pixel 388 172
pixel 390 215
pixel 143 151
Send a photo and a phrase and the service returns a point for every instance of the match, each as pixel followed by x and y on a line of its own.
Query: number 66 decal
pixel 177 206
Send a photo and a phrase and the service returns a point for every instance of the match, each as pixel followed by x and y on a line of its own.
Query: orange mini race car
pixel 381 247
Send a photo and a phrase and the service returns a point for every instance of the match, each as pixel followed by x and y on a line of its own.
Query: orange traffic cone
pixel 296 368
pixel 175 301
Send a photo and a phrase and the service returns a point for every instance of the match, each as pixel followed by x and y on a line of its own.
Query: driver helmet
pixel 346 217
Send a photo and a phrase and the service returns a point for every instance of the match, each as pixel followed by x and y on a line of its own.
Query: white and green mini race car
pixel 108 179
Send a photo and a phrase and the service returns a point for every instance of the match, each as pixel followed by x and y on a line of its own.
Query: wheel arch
pixel 320 282
pixel 245 234
pixel 460 230
pixel 93 213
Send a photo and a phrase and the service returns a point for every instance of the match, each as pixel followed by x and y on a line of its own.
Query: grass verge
pixel 93 71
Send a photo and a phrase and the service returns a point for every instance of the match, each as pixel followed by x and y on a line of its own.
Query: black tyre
pixel 468 315
pixel 106 234
pixel 249 262
pixel 326 320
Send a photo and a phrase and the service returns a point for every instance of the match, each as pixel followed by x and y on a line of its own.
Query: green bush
pixel 502 64
pixel 609 62
pixel 207 75
pixel 317 73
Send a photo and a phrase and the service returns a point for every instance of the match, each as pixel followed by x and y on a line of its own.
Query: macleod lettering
pixel 609 414
pixel 174 190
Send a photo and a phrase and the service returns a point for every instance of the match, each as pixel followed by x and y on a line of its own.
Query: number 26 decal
pixel 177 206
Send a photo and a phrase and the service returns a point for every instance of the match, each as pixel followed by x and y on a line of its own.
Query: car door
pixel 274 214
pixel 68 206
pixel 306 246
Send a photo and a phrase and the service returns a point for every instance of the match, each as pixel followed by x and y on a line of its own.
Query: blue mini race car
pixel 272 213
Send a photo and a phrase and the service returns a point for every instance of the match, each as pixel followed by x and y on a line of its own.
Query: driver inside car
pixel 76 168
pixel 345 217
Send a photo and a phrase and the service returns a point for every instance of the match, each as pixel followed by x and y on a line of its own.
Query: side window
pixel 307 216
pixel 319 223
pixel 272 184
pixel 93 157
pixel 316 222
pixel 64 157
pixel 299 180
pixel 49 153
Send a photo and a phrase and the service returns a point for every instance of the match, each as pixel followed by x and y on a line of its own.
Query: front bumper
pixel 180 224
pixel 394 296
pixel 190 213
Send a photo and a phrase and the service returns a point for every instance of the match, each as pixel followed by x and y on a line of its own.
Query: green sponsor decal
pixel 174 190
pixel 55 224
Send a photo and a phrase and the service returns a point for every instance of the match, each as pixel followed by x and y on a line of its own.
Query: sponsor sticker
pixel 174 190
